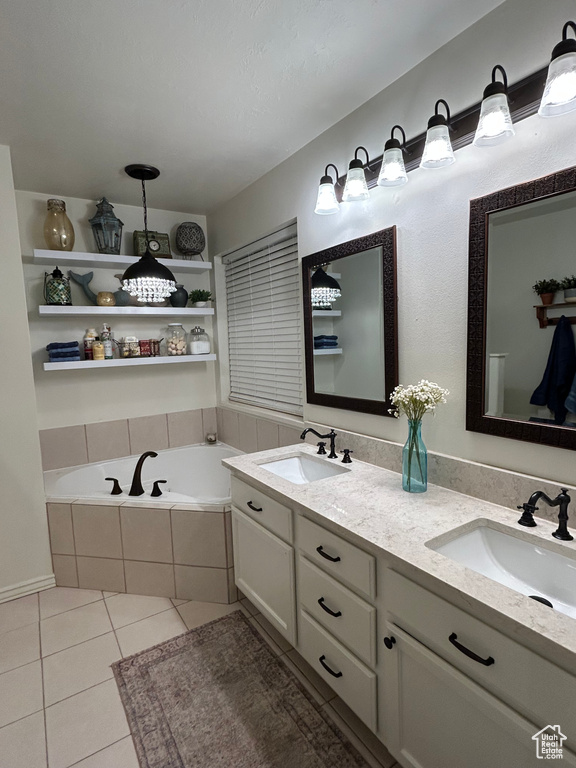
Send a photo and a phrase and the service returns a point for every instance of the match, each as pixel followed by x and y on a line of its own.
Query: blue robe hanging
pixel 559 374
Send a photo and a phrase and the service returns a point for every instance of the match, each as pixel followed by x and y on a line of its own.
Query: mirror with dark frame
pixel 350 324
pixel 521 370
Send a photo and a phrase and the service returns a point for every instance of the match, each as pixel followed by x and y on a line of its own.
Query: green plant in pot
pixel 569 286
pixel 546 290
pixel 200 298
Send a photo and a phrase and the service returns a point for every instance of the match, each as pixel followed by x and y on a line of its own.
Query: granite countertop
pixel 369 506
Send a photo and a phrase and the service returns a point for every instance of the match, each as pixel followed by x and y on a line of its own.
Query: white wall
pixel 24 550
pixel 75 397
pixel 431 214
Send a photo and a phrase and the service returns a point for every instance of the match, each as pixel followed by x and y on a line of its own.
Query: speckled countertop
pixel 367 505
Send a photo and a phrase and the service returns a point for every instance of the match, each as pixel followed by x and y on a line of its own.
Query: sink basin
pixel 303 469
pixel 529 567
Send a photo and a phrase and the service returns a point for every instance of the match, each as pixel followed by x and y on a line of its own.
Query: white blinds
pixel 264 333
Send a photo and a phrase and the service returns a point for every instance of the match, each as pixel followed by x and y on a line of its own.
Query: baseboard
pixel 27 587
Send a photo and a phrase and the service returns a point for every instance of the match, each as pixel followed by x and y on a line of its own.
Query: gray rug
pixel 217 697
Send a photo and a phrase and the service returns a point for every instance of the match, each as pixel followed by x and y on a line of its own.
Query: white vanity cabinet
pixel 264 562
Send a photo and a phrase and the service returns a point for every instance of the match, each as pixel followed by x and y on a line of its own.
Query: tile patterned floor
pixel 59 705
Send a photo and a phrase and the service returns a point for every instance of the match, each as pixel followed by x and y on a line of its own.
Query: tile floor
pixel 59 704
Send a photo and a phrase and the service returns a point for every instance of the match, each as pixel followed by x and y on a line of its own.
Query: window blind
pixel 264 327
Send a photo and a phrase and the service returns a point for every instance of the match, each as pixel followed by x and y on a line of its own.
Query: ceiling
pixel 214 92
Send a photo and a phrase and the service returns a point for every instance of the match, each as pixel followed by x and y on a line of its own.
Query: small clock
pixel 158 242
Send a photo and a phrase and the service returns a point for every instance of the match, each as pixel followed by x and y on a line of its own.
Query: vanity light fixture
pixel 495 123
pixel 147 279
pixel 560 90
pixel 393 171
pixel 438 148
pixel 325 289
pixel 356 188
pixel 326 202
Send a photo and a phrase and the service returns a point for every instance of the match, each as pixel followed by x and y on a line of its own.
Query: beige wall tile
pixel 288 435
pixel 154 579
pixel 65 571
pixel 185 428
pixel 267 435
pixel 97 530
pixel 229 547
pixel 209 421
pixel 146 534
pixel 148 433
pixel 107 440
pixel 228 427
pixel 199 538
pixel 63 447
pixel 101 573
pixel 247 436
pixel 61 533
pixel 205 584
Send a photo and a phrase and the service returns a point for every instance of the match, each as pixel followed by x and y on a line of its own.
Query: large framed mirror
pixel 521 370
pixel 350 324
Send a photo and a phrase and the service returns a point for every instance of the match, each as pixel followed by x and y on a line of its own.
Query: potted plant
pixel 547 288
pixel 569 286
pixel 200 298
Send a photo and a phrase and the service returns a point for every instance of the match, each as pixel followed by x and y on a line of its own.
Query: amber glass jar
pixel 58 229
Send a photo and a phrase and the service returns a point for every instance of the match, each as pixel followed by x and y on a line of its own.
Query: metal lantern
pixel 107 228
pixel 57 288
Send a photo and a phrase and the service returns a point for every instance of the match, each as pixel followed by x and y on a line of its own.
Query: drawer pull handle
pixel 325 608
pixel 467 652
pixel 320 551
pixel 256 509
pixel 327 668
pixel 389 642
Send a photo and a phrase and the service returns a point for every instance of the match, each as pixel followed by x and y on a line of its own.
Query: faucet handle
pixel 321 449
pixel 527 518
pixel 347 459
pixel 116 490
pixel 156 490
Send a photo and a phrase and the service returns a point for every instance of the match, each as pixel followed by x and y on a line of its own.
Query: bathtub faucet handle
pixel 211 437
pixel 116 490
pixel 156 490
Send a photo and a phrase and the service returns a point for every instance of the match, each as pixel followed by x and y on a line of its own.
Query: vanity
pixel 451 668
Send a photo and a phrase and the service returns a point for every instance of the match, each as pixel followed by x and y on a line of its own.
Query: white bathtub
pixel 194 474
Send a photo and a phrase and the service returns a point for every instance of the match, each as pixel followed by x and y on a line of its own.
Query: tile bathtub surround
pixel 185 428
pixel 148 433
pixel 108 440
pixel 63 447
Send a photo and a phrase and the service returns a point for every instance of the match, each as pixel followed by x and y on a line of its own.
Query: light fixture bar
pixel 524 99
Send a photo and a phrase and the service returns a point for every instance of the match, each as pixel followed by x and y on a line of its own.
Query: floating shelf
pixel 97 260
pixel 332 351
pixel 92 311
pixel 78 364
pixel 542 313
pixel 326 313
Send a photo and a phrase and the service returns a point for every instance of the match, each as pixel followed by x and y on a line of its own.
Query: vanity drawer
pixel 533 685
pixel 350 679
pixel 343 560
pixel 355 625
pixel 259 506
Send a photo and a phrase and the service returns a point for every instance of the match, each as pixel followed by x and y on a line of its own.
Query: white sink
pixel 529 567
pixel 303 469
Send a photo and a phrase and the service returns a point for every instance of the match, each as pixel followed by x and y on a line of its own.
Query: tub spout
pixel 136 488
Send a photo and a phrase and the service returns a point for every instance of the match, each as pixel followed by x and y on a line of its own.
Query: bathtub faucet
pixel 136 488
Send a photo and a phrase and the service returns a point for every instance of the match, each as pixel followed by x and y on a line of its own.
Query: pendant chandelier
pixel 147 279
pixel 325 290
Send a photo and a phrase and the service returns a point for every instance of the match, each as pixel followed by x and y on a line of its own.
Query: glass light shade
pixel 495 123
pixel 393 171
pixel 325 289
pixel 355 188
pixel 326 203
pixel 560 90
pixel 148 280
pixel 438 149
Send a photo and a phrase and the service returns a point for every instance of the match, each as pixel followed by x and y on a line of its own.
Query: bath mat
pixel 217 697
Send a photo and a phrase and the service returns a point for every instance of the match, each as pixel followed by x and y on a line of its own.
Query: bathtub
pixel 194 474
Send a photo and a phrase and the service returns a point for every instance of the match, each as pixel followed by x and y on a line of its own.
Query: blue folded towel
pixel 58 354
pixel 64 345
pixel 324 337
pixel 325 344
pixel 71 359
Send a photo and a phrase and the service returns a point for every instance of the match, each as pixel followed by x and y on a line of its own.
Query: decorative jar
pixel 199 342
pixel 175 339
pixel 58 229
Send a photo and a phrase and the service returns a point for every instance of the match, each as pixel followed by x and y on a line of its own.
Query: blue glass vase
pixel 414 460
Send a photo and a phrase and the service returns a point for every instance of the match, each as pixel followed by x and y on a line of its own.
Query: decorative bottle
pixel 414 460
pixel 58 229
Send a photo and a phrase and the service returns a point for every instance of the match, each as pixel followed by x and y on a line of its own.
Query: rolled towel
pixel 64 345
pixel 324 337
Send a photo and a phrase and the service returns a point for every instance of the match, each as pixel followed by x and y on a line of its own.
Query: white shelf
pixel 326 313
pixel 93 311
pixel 95 260
pixel 78 364
pixel 329 351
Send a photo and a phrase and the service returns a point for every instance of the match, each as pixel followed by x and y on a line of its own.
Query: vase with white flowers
pixel 414 401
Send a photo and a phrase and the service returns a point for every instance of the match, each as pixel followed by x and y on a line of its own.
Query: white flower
pixel 417 399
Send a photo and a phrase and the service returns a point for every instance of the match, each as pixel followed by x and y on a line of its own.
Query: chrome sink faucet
pixel 330 436
pixel 562 501
pixel 136 488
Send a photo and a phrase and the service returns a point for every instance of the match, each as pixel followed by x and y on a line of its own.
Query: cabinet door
pixel 264 571
pixel 435 717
